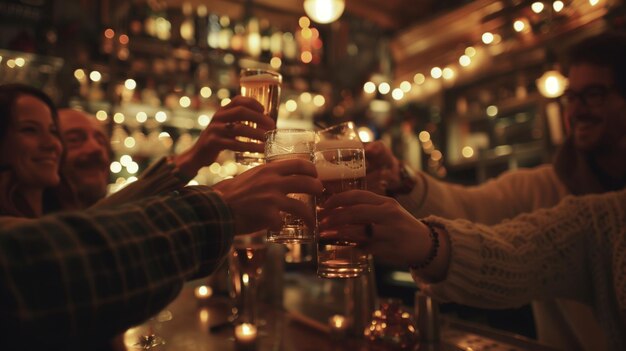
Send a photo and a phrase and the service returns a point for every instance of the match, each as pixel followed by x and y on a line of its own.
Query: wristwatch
pixel 407 182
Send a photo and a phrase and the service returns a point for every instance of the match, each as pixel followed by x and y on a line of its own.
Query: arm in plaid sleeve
pixel 88 275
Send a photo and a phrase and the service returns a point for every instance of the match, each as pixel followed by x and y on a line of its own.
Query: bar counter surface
pixel 192 324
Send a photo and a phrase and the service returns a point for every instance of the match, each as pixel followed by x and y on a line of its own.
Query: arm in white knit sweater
pixel 546 254
pixel 506 196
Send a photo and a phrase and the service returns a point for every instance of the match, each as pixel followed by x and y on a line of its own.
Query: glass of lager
pixel 284 144
pixel 264 86
pixel 340 169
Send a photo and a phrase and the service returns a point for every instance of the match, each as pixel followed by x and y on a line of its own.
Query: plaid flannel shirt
pixel 77 279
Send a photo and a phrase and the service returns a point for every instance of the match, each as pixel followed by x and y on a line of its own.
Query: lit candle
pixel 203 293
pixel 338 326
pixel 245 337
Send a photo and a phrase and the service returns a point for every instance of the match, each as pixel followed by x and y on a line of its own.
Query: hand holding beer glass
pixel 264 86
pixel 284 144
pixel 340 169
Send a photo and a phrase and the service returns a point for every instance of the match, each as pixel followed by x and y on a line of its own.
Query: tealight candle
pixel 245 337
pixel 338 326
pixel 203 292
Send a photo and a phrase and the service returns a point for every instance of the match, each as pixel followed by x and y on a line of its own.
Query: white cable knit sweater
pixel 576 250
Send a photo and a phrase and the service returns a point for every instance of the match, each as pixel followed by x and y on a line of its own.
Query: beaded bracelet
pixel 434 249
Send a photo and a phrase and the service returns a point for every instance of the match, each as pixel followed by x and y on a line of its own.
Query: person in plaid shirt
pixel 74 280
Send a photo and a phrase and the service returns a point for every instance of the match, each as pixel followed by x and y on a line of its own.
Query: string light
pixel 384 88
pixel 369 87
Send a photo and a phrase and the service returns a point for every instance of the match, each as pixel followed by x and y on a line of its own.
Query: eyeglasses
pixel 592 96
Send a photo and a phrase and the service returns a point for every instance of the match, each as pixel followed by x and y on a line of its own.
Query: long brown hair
pixel 11 201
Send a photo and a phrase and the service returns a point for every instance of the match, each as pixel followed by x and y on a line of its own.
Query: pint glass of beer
pixel 284 144
pixel 264 86
pixel 340 169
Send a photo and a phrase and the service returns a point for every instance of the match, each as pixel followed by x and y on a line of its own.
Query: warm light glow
pixel 276 62
pixel 365 134
pixel 141 116
pixel 164 135
pixel 384 88
pixel 424 136
pixel 184 101
pixel 129 142
pixel 436 155
pixel 436 72
pixel 551 84
pixel 537 7
pixel 306 57
pixel 319 100
pixel 101 115
pixel 419 78
pixel 118 118
pixel 306 97
pixel 223 93
pixel 487 38
pixel 337 322
pixel 492 111
pixel 306 33
pixel 519 26
pixel 447 73
pixel 79 74
pixel 160 116
pixel 304 22
pixel 397 94
pixel 132 167
pixel 594 2
pixel 203 292
pixel 204 120
pixel 109 33
pixel 95 76
pixel 369 87
pixel 130 84
pixel 405 86
pixel 11 63
pixel 470 51
pixel 125 160
pixel 20 62
pixel 224 102
pixel 115 167
pixel 204 315
pixel 206 92
pixel 124 39
pixel 245 333
pixel 465 60
pixel 558 6
pixel 291 105
pixel 467 152
pixel 324 11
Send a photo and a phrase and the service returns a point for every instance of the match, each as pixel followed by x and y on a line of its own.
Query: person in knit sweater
pixel 591 160
pixel 576 250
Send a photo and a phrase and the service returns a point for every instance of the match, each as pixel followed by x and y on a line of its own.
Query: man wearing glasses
pixel 592 160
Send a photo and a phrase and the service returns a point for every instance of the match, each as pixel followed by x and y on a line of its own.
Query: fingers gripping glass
pixel 592 96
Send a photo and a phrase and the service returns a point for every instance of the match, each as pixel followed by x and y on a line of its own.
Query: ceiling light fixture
pixel 324 11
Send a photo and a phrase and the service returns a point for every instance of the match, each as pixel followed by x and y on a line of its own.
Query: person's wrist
pixel 432 228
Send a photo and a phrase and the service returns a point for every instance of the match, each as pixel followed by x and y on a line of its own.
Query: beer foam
pixel 338 144
pixel 260 79
pixel 329 171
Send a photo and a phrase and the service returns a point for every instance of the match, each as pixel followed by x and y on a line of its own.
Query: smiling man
pixel 87 155
pixel 591 160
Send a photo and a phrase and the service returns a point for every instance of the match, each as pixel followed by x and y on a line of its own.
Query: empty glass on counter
pixel 246 262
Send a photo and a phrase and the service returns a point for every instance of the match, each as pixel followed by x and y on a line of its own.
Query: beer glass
pixel 284 144
pixel 340 135
pixel 340 169
pixel 246 261
pixel 264 86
